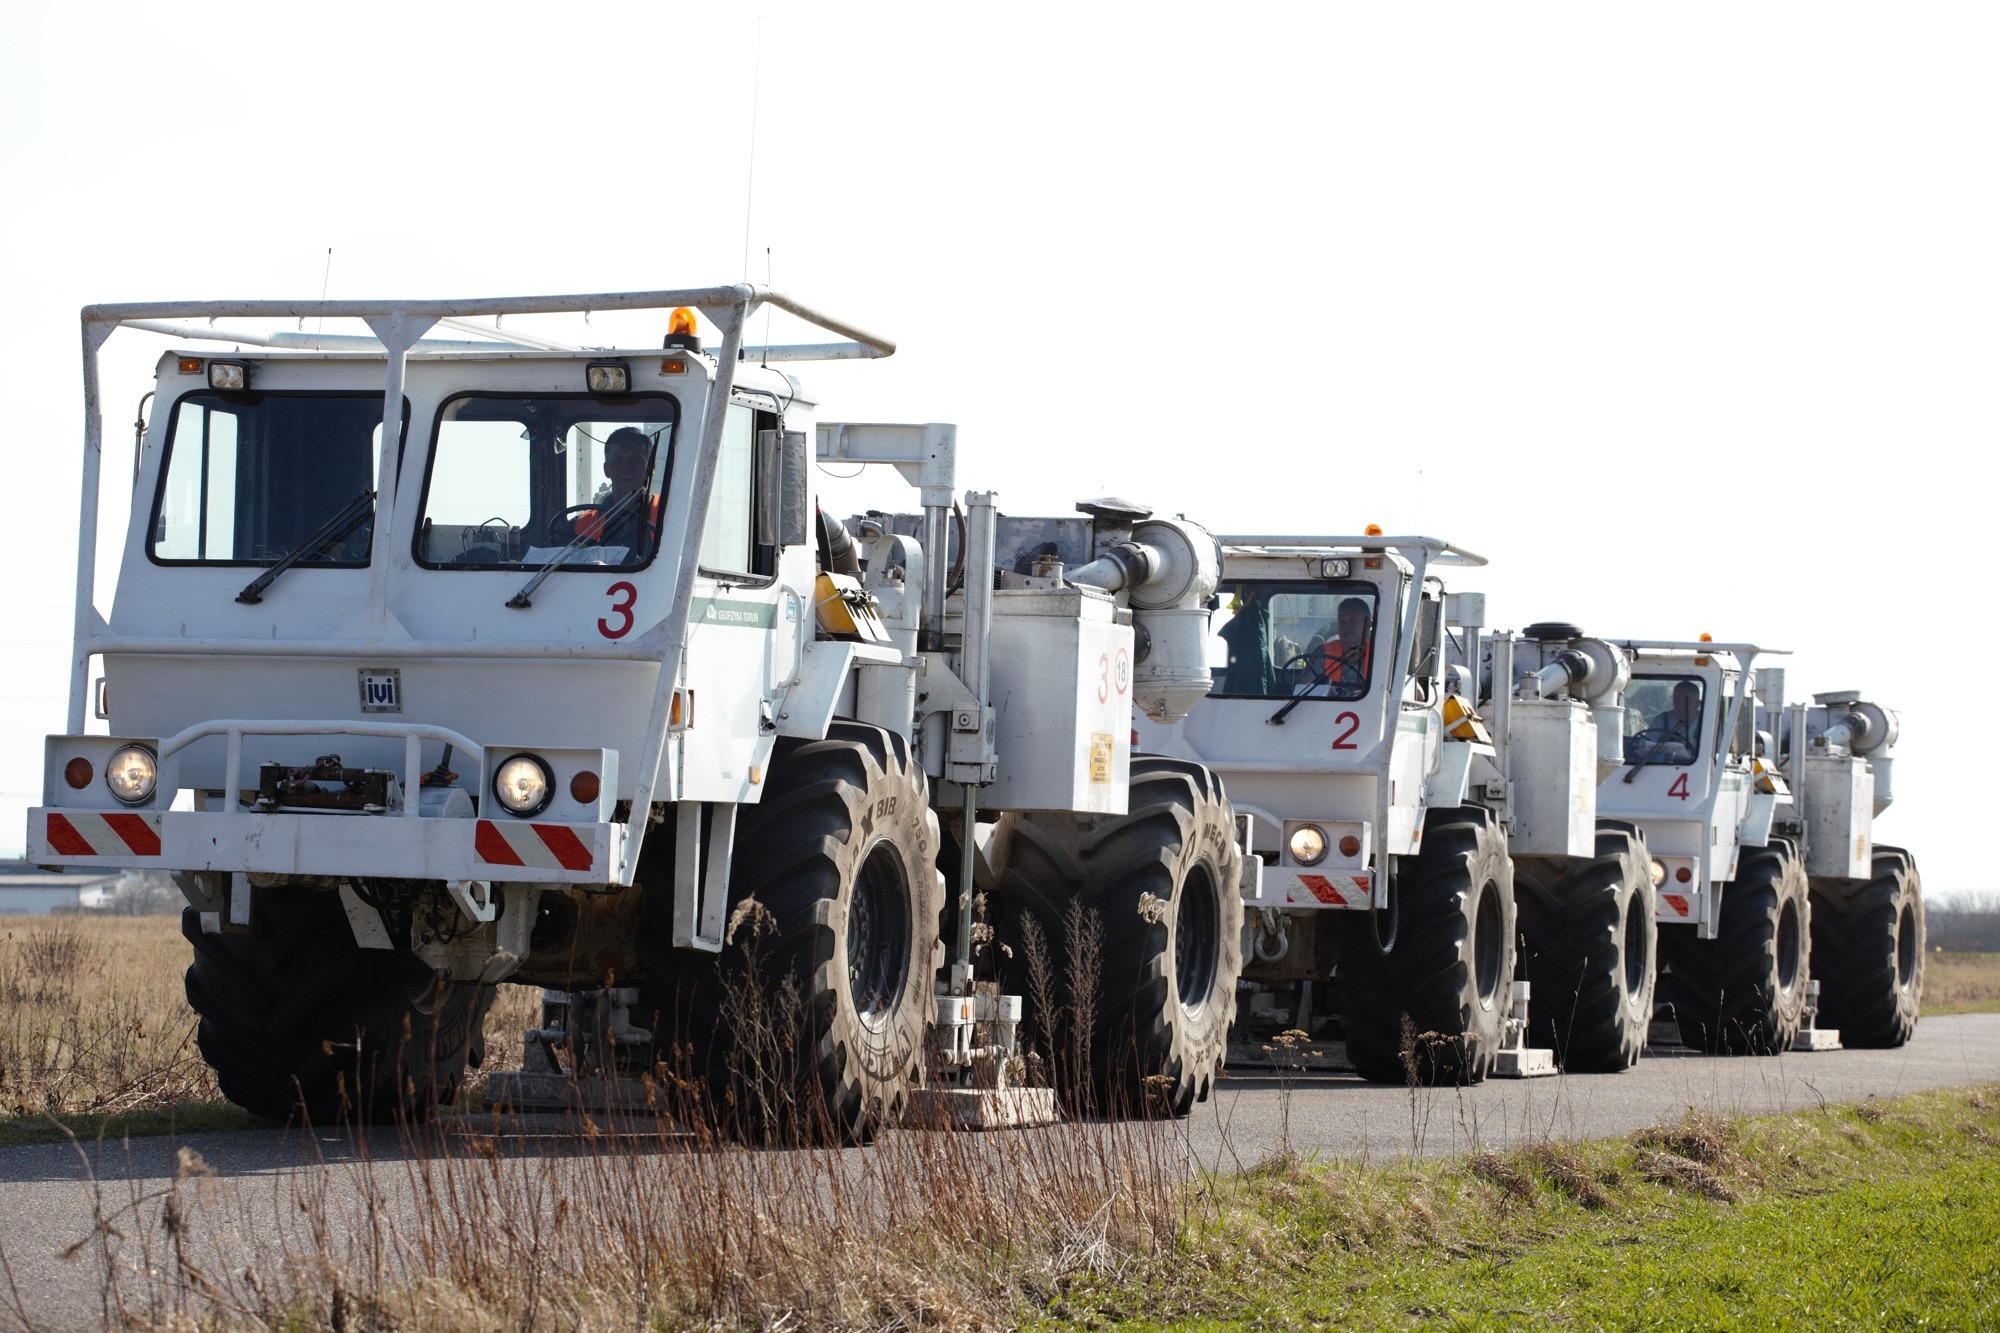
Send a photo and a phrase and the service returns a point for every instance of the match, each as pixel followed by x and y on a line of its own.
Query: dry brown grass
pixel 627 1221
pixel 1962 983
pixel 93 1018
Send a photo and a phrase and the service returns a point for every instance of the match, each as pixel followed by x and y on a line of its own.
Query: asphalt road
pixel 54 1196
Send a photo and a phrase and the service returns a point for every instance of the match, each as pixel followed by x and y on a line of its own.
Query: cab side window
pixel 729 539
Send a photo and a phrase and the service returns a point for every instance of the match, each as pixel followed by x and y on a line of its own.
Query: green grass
pixel 1885 1215
pixel 185 1118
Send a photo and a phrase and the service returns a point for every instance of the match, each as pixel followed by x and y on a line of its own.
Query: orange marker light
pixel 1350 845
pixel 1682 874
pixel 583 788
pixel 681 321
pixel 1707 638
pixel 77 773
pixel 189 365
pixel 1372 530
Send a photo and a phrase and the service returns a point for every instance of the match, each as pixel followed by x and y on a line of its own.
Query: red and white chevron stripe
pixel 1323 888
pixel 542 846
pixel 121 834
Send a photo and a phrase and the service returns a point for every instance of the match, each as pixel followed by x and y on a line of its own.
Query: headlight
pixel 131 773
pixel 1308 845
pixel 523 784
pixel 1659 872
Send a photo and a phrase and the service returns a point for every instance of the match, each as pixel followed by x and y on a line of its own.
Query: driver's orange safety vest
pixel 590 523
pixel 1332 660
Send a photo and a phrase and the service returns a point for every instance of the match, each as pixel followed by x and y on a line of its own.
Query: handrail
pixel 1312 544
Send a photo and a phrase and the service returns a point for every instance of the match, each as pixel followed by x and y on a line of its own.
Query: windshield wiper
pixel 1277 719
pixel 611 516
pixel 329 532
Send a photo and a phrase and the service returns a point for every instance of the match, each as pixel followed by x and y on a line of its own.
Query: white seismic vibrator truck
pixel 443 654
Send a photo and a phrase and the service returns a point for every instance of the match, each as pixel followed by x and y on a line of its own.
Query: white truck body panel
pixel 1062 699
pixel 1555 814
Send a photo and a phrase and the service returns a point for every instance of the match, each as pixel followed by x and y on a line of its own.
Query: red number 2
pixel 623 596
pixel 1344 741
pixel 1680 787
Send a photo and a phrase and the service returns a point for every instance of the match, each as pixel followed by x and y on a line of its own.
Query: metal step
pixel 980 1108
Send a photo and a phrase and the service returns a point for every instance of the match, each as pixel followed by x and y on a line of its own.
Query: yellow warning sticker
pixel 1100 757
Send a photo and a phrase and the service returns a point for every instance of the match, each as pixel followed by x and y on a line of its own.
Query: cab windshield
pixel 1663 716
pixel 513 481
pixel 1284 640
pixel 250 477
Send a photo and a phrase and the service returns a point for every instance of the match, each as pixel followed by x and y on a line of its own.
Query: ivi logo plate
pixel 381 690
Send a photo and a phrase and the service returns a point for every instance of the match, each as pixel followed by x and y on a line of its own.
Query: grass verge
pixel 1876 1216
pixel 1962 983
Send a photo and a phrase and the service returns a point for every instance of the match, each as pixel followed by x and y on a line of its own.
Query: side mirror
pixel 784 506
pixel 1423 660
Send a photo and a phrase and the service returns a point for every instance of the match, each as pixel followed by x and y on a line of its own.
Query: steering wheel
pixel 561 527
pixel 1314 664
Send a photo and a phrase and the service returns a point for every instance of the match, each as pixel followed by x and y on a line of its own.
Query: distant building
pixel 26 891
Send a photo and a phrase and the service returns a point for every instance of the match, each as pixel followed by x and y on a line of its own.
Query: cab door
pixel 744 628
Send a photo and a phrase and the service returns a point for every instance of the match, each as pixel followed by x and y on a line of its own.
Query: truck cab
pixel 1689 774
pixel 1326 717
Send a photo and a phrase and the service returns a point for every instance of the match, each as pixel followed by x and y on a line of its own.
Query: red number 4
pixel 1680 787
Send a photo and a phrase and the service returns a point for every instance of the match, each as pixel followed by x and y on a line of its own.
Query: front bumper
pixel 283 843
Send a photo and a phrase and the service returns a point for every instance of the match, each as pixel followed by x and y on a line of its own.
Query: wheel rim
pixel 1637 961
pixel 1197 940
pixel 1906 947
pixel 1790 938
pixel 1486 944
pixel 878 936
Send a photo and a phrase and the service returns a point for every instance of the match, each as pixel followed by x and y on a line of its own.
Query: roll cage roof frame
pixel 1433 550
pixel 399 327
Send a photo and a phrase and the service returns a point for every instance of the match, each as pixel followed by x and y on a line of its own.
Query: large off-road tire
pixel 1588 942
pixel 1868 951
pixel 1446 966
pixel 1744 992
pixel 1142 1018
pixel 810 1025
pixel 297 1019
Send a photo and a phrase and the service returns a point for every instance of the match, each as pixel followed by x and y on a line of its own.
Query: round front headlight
pixel 1659 872
pixel 523 784
pixel 1308 845
pixel 131 773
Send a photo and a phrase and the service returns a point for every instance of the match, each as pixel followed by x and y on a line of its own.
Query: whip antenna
pixel 750 175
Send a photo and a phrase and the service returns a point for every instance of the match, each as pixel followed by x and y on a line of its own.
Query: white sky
pixel 1683 315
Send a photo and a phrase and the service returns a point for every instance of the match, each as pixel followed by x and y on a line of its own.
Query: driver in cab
pixel 624 514
pixel 1673 733
pixel 1345 658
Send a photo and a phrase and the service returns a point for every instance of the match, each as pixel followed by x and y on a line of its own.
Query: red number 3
pixel 623 596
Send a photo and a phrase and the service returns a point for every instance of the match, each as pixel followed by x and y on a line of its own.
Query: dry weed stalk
pixel 631 1218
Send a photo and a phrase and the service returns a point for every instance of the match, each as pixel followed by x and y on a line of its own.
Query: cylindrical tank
pixel 1170 617
pixel 1883 767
